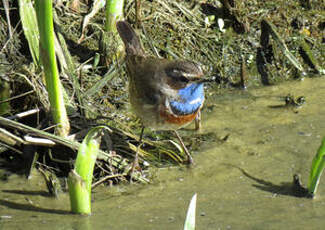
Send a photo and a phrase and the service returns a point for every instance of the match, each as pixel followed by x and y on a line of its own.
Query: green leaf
pixel 29 23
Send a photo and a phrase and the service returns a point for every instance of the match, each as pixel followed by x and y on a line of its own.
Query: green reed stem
pixel 113 13
pixel 48 60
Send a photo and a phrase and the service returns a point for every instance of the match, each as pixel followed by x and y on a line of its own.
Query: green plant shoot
pixel 80 178
pixel 317 168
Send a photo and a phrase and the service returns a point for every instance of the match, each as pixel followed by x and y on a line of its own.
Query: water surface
pixel 242 183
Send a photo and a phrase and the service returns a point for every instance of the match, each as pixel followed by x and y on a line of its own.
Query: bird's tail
pixel 130 38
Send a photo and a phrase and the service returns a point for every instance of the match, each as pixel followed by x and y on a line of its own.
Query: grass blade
pixel 29 23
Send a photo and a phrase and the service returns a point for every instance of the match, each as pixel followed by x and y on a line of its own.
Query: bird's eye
pixel 179 75
pixel 183 79
pixel 175 73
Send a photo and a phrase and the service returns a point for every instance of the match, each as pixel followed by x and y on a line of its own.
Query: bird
pixel 164 94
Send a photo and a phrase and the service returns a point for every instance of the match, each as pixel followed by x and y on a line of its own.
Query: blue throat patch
pixel 191 99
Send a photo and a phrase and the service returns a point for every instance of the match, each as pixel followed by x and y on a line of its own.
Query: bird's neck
pixel 189 100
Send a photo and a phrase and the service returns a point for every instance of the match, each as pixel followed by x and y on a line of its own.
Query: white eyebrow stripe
pixel 197 100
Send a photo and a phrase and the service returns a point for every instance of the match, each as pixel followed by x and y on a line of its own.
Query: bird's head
pixel 179 74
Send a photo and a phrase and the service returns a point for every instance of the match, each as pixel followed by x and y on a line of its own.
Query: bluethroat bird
pixel 164 94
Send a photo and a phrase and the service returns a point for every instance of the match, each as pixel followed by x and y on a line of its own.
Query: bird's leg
pixel 198 120
pixel 136 158
pixel 189 157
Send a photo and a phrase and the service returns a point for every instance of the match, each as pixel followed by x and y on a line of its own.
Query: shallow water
pixel 242 183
